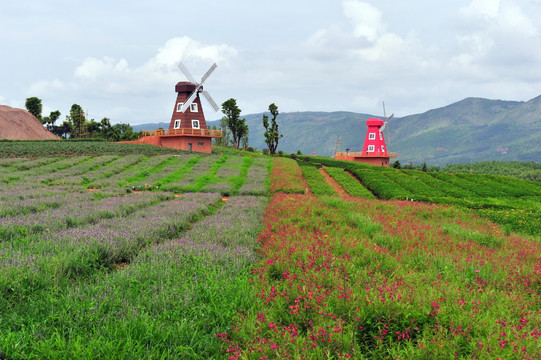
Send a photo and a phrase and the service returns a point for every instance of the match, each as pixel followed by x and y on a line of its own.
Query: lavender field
pixel 126 256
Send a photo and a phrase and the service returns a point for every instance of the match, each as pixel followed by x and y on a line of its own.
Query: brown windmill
pixel 188 128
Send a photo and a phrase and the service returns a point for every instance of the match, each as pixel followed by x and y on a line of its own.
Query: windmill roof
pixel 374 122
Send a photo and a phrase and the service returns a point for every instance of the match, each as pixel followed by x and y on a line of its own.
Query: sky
pixel 118 59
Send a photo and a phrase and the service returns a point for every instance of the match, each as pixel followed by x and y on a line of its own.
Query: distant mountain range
pixel 471 130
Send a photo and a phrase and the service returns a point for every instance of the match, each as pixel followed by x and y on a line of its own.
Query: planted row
pixel 350 184
pixel 316 181
pixel 169 302
pixel 365 279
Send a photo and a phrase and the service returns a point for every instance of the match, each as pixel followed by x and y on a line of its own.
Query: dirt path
pixel 339 189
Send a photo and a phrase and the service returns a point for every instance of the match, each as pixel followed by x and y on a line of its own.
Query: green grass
pixel 316 180
pixel 69 148
pixel 351 185
pixel 512 203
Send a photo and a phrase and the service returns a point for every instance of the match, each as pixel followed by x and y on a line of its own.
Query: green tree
pixel 244 139
pixel 106 128
pixel 51 119
pixel 34 107
pixel 397 165
pixel 226 134
pixel 236 125
pixel 77 121
pixel 122 132
pixel 94 128
pixel 271 134
pixel 424 168
pixel 53 116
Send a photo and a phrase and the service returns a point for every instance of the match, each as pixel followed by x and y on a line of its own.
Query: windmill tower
pixel 188 128
pixel 374 142
pixel 374 150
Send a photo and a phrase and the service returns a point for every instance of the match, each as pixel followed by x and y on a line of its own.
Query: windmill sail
pixel 198 88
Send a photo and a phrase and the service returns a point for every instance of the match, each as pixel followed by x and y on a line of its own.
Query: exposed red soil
pixel 19 124
pixel 339 189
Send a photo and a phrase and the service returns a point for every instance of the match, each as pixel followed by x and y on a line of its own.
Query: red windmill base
pixel 374 150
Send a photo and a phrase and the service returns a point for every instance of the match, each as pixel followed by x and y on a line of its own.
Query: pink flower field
pixel 371 279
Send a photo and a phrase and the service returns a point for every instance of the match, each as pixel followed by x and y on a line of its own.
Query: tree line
pixel 235 130
pixel 77 126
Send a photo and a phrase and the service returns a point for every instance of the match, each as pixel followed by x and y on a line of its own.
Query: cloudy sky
pixel 118 59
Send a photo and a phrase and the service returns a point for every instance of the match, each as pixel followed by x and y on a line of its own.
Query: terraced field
pixel 224 256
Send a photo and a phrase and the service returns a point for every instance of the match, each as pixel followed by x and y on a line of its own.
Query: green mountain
pixel 470 130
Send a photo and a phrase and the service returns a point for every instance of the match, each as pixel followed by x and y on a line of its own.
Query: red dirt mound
pixel 19 124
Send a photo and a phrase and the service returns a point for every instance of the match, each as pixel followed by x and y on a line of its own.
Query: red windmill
pixel 188 128
pixel 374 150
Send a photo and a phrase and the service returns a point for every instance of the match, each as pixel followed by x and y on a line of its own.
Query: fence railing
pixel 367 154
pixel 203 132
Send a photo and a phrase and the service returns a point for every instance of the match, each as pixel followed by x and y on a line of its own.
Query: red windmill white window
pixel 193 107
pixel 179 106
pixel 370 148
pixel 195 124
pixel 372 136
pixel 177 124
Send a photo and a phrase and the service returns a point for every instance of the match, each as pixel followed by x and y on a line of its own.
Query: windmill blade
pixel 384 115
pixel 190 99
pixel 383 127
pixel 207 74
pixel 210 100
pixel 387 134
pixel 390 117
pixel 186 73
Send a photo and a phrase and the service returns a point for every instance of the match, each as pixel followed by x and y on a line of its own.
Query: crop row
pixel 224 174
pixel 287 177
pixel 316 180
pixel 133 286
pixel 481 192
pixel 70 148
pixel 371 279
pixel 350 184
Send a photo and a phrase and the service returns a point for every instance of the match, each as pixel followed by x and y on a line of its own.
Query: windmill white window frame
pixel 179 106
pixel 371 136
pixel 195 124
pixel 370 148
pixel 177 124
pixel 380 136
pixel 193 107
pixel 382 148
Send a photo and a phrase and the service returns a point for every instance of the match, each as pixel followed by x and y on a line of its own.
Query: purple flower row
pixel 116 239
pixel 256 178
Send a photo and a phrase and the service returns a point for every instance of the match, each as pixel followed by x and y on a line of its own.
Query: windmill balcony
pixel 367 154
pixel 184 132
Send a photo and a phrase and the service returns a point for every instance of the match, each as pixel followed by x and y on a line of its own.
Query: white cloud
pixel 384 47
pixel 41 88
pixel 487 9
pixel 112 76
pixel 349 56
pixel 185 49
pixel 106 82
pixel 365 36
pixel 366 19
